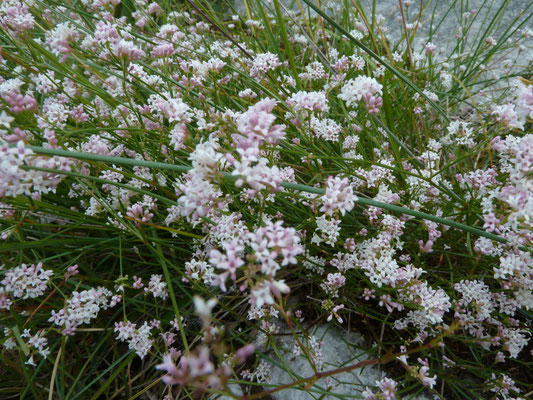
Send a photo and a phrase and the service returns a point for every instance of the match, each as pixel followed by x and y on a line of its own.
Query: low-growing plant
pixel 183 183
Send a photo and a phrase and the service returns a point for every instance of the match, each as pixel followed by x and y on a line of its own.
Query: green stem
pixel 286 185
pixel 109 159
pixel 159 252
pixel 284 36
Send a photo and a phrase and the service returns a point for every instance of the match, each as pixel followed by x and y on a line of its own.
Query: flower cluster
pixel 363 87
pixel 273 247
pixel 339 196
pixel 138 338
pixel 26 282
pixel 196 368
pixel 82 307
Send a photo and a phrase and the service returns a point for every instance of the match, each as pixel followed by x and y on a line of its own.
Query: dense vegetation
pixel 181 184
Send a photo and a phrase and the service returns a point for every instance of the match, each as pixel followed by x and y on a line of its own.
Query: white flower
pixel 203 309
pixel 27 282
pixel 354 89
pixel 5 120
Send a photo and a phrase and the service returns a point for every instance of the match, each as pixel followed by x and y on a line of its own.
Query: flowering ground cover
pixel 188 190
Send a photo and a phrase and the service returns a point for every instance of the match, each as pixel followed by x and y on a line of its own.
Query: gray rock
pixel 340 349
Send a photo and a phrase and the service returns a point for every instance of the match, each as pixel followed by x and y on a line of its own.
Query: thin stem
pixel 286 185
pixel 407 40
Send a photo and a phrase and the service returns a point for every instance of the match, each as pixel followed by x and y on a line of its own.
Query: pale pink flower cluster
pixel 227 228
pixel 194 367
pixel 197 369
pixel 483 181
pixel 138 338
pixel 199 195
pixel 26 282
pixel 261 373
pixel 314 346
pixel 256 128
pixel 519 107
pixel 15 17
pixel 173 109
pixel 196 270
pixel 198 198
pixel 430 305
pixel 363 87
pixel 229 261
pixel 339 196
pixel 16 181
pixel 503 386
pixel 329 230
pixel 95 5
pixel 386 390
pixel 58 39
pixel 12 93
pixel 326 128
pixel 113 42
pixel 314 71
pixel 308 101
pixel 459 132
pixel 524 102
pixel 139 214
pixel 422 373
pixel 262 64
pixel 82 307
pixel 337 199
pixel 333 283
pixel 5 301
pixel 476 308
pixel 269 244
pixel 508 210
pixel 507 115
pixel 376 257
pixel 38 343
pixel 157 287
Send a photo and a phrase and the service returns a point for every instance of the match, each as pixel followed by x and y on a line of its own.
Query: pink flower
pixel 262 63
pixel 362 87
pixel 339 196
pixel 230 261
pixel 71 271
